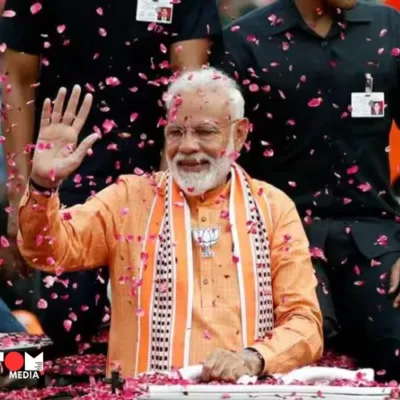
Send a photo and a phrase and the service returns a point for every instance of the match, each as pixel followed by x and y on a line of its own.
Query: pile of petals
pixel 332 359
pixel 23 339
pixel 78 365
pixel 133 388
pixel 92 365
pixel 95 364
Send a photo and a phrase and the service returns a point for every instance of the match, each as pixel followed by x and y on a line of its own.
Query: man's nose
pixel 189 144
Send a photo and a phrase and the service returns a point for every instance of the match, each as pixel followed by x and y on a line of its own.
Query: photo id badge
pixel 368 105
pixel 158 11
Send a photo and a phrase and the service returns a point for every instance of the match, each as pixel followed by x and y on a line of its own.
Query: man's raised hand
pixel 56 154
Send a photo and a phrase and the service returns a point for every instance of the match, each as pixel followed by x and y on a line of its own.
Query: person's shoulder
pixel 254 22
pixel 374 11
pixel 274 195
pixel 140 178
pixel 143 183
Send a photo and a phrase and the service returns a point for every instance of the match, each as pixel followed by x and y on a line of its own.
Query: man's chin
pixel 192 184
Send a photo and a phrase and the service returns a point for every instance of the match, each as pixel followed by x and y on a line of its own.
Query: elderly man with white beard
pixel 207 265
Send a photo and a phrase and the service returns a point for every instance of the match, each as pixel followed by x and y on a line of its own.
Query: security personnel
pixel 119 51
pixel 321 84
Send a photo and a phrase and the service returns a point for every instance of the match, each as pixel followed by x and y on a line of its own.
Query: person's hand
pixel 228 366
pixel 395 283
pixel 57 155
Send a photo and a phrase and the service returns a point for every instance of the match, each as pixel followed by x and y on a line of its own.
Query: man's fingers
pixel 227 373
pixel 220 366
pixel 46 114
pixel 240 371
pixel 208 366
pixel 80 153
pixel 207 369
pixel 394 278
pixel 83 113
pixel 73 101
pixel 58 106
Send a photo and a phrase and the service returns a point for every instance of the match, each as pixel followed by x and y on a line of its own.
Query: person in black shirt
pixel 310 70
pixel 119 51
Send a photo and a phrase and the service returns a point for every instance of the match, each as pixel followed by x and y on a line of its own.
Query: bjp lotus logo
pixel 206 238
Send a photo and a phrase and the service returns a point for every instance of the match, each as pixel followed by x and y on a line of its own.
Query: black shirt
pixel 100 45
pixel 331 164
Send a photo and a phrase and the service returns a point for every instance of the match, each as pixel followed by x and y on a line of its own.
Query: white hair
pixel 207 79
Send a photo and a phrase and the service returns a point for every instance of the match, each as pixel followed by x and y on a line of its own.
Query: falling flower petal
pixel 61 28
pixel 35 8
pixel 254 87
pixel 67 325
pixel 42 304
pixel 395 52
pixel 140 312
pixel 352 170
pixel 382 241
pixel 9 14
pixel 365 187
pixel 4 242
pixel 316 102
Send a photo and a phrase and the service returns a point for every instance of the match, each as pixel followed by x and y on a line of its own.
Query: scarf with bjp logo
pixel 165 326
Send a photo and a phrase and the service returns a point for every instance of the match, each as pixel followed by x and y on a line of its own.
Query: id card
pixel 368 105
pixel 158 11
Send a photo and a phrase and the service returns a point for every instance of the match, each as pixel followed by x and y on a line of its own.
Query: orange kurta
pixel 394 153
pixel 109 229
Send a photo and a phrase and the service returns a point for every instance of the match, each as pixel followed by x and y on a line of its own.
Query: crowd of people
pixel 231 184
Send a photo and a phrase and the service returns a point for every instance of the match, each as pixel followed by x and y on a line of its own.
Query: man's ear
pixel 242 130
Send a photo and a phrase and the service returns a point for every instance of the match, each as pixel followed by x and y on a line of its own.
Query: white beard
pixel 198 183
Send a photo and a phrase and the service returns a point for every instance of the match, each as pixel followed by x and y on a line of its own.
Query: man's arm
pixel 297 339
pixel 197 25
pixel 191 54
pixel 22 72
pixel 77 238
pixel 21 34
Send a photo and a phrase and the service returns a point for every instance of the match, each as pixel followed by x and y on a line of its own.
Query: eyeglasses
pixel 204 133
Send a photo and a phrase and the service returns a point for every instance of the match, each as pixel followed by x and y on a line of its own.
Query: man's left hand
pixel 228 366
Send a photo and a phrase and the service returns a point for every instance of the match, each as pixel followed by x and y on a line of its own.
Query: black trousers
pixel 80 297
pixel 353 261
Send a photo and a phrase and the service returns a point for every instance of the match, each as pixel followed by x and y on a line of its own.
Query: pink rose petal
pixel 35 8
pixel 67 325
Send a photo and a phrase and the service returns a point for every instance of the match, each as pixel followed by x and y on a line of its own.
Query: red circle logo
pixel 14 361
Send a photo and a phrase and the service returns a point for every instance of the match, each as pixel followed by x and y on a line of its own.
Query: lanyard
pixel 369 84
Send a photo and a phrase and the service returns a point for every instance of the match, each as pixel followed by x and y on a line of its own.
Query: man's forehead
pixel 200 104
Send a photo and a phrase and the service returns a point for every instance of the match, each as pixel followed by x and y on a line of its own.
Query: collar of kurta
pixel 166 272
